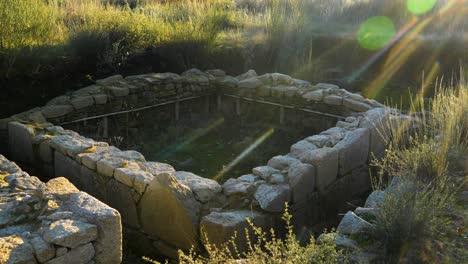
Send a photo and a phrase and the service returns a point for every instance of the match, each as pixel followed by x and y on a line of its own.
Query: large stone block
pixel 68 168
pixel 353 150
pixel 108 246
pixel 166 202
pixel 120 197
pixel 325 161
pixel 301 180
pixel 70 145
pixel 220 227
pixel 20 142
pixel 377 120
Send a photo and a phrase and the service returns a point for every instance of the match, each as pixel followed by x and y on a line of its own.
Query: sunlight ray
pixel 191 138
pixel 244 153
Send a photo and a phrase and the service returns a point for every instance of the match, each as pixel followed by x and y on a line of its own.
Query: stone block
pixel 166 202
pixel 108 246
pixel 68 168
pixel 301 180
pixel 20 142
pixel 320 141
pixel 249 74
pixel 45 152
pixel 353 150
pixel 300 148
pixel 325 161
pixel 333 100
pixel 327 86
pixel 220 227
pixel 61 188
pixel 237 187
pixel 203 188
pixel 120 197
pixel 355 105
pixel 70 233
pixel 56 111
pixel 281 79
pixel 43 250
pixel 70 145
pixel 377 120
pixel 100 99
pixel 118 91
pixel 82 102
pixel 272 198
pixel 351 224
pixel 80 255
pixel 264 172
pixel 375 199
pixel 315 96
pixel 282 162
pixel 251 83
pixel 107 165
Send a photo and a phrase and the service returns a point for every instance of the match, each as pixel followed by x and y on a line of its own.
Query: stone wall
pixel 54 222
pixel 320 171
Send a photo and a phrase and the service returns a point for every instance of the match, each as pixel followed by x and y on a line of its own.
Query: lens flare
pixel 167 152
pixel 376 32
pixel 419 7
pixel 244 153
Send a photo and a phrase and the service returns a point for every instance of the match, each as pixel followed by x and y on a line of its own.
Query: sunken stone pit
pixel 164 209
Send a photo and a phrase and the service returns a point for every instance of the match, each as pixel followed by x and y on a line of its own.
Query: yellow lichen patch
pixel 52 205
pixel 92 149
pixel 3 183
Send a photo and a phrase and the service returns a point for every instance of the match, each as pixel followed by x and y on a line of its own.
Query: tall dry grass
pixel 427 166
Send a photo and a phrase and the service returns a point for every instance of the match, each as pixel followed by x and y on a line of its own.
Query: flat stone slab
pixel 203 188
pixel 70 233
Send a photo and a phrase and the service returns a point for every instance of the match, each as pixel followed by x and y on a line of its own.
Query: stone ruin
pixel 162 209
pixel 53 222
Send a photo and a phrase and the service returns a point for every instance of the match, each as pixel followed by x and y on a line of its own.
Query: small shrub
pixel 267 247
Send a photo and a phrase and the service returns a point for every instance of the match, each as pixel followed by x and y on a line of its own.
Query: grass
pixel 416 223
pixel 103 36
